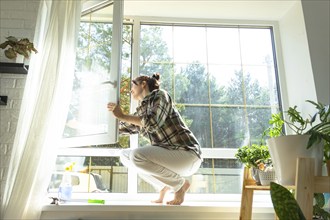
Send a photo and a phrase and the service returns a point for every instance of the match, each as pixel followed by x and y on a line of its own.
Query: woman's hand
pixel 118 113
pixel 115 109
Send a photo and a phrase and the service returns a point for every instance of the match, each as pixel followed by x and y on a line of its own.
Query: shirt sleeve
pixel 127 128
pixel 156 112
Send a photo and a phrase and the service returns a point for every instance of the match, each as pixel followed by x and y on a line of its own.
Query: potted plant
pixel 286 206
pixel 13 47
pixel 308 141
pixel 252 156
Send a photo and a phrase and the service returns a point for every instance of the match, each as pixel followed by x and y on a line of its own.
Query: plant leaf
pixel 285 205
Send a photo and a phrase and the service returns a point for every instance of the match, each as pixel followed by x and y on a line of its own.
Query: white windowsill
pixel 146 210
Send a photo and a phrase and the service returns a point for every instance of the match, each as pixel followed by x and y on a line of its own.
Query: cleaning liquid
pixel 65 189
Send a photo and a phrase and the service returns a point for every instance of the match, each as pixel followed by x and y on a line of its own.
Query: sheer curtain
pixel 43 111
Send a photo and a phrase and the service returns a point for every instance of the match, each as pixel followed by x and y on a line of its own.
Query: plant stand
pixel 307 183
pixel 249 186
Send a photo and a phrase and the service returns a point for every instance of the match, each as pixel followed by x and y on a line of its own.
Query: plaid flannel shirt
pixel 162 123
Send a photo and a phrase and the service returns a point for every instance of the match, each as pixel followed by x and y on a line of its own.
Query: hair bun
pixel 156 76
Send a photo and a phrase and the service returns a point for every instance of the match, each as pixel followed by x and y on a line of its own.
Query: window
pixel 222 79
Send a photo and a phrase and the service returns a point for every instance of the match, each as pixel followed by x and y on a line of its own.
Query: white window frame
pixel 132 195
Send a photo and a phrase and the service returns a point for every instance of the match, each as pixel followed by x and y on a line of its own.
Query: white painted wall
pixel 317 21
pixel 297 80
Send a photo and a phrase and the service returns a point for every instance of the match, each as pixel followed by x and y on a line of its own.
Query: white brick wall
pixel 11 85
pixel 17 18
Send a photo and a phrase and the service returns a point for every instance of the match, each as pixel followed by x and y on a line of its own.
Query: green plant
pixel 299 125
pixel 285 205
pixel 253 155
pixel 318 206
pixel 15 46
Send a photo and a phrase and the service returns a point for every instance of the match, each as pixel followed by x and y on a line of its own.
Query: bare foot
pixel 179 195
pixel 161 195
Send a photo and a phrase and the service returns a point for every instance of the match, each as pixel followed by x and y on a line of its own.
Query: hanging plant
pixel 13 46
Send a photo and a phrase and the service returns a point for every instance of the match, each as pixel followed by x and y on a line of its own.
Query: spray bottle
pixel 65 189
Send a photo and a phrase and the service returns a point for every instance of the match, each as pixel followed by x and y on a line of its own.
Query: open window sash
pixel 97 80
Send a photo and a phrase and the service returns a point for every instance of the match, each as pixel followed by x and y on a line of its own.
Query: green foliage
pixel 277 125
pixel 285 205
pixel 13 46
pixel 252 155
pixel 318 207
pixel 299 125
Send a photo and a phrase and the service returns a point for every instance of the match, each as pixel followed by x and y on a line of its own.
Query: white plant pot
pixel 20 58
pixel 284 152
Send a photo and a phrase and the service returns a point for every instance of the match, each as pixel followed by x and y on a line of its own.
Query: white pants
pixel 160 166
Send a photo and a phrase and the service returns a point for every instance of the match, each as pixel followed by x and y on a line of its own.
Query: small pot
pixel 255 175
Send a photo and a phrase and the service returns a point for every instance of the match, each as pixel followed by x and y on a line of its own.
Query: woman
pixel 174 151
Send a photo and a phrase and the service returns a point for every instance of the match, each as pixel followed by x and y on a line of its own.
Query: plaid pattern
pixel 162 123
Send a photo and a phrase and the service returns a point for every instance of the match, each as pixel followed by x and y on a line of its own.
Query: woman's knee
pixel 137 157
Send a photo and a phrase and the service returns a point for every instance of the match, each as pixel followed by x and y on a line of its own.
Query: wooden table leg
pixel 246 205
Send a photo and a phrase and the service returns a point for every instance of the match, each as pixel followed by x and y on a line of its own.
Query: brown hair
pixel 152 81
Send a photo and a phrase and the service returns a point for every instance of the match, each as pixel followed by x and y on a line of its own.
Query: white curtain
pixel 43 111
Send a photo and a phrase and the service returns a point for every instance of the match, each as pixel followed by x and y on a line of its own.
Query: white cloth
pixel 160 166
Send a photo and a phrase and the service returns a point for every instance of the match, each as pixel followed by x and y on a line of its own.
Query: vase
pixel 285 150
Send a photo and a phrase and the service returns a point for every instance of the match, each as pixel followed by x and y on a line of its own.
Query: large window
pixel 222 79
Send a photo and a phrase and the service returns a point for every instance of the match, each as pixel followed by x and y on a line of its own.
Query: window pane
pixel 256 45
pixel 229 127
pixel 219 176
pixel 198 120
pixel 189 44
pixel 223 46
pixel 87 115
pixel 226 84
pixel 90 174
pixel 214 177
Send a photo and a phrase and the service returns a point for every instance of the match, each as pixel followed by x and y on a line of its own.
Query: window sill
pixel 146 210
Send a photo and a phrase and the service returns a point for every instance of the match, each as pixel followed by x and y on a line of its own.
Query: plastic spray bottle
pixel 65 189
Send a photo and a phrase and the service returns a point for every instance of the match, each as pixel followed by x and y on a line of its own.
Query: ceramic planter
pixel 285 150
